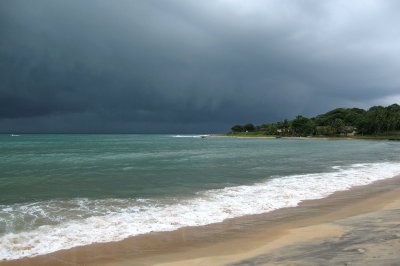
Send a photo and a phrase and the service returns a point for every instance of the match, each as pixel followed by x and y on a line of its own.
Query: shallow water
pixel 60 191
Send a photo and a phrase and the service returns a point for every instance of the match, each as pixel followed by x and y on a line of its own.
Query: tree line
pixel 341 121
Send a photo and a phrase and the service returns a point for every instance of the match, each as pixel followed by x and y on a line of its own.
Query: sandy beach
pixel 356 227
pixel 280 137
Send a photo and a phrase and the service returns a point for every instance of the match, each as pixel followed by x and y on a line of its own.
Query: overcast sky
pixel 186 66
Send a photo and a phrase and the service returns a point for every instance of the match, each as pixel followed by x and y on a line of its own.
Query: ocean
pixel 61 191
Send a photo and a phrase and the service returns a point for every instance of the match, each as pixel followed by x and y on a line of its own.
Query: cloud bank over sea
pixel 190 66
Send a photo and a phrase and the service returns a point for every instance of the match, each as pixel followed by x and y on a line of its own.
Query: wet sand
pixel 356 227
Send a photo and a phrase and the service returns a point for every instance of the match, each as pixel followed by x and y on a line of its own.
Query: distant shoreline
pixel 260 136
pixel 376 122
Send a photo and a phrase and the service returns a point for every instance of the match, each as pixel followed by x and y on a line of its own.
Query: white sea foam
pixel 190 136
pixel 81 221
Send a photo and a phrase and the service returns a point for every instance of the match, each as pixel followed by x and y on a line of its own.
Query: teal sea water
pixel 61 191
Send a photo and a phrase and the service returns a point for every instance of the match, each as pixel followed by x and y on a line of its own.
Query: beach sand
pixel 355 227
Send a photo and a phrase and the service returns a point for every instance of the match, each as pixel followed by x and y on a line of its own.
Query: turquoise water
pixel 83 182
pixel 41 167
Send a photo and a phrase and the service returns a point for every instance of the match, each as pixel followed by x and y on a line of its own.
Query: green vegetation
pixel 378 122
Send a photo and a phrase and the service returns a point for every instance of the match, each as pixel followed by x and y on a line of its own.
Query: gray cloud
pixel 186 66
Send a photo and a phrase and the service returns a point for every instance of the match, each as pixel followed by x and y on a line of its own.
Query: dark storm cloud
pixel 190 65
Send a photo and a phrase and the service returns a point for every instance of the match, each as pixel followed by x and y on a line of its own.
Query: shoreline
pixel 235 239
pixel 289 137
pixel 379 138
